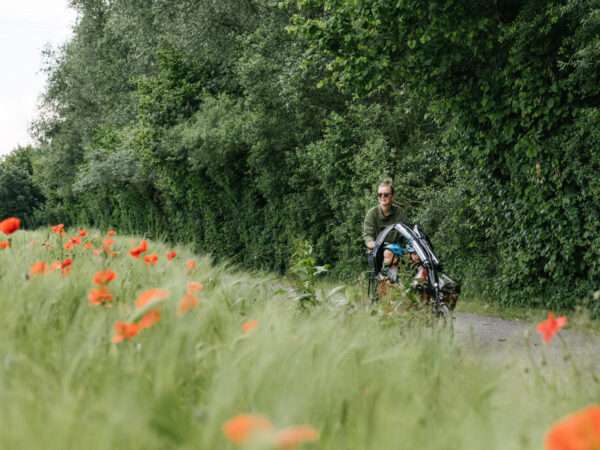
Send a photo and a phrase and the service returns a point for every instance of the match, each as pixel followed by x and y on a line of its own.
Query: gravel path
pixel 516 342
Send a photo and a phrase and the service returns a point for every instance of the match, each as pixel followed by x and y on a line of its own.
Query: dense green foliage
pixel 19 194
pixel 515 86
pixel 339 369
pixel 244 126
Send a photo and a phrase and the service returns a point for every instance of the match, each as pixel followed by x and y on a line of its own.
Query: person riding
pixel 377 218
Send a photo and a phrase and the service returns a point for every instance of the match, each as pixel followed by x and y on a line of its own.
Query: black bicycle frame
pixel 422 247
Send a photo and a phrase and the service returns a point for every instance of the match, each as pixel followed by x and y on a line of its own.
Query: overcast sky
pixel 26 27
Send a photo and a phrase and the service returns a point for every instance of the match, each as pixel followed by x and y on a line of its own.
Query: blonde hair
pixel 387 182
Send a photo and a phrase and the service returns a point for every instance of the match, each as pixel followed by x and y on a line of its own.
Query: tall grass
pixel 362 383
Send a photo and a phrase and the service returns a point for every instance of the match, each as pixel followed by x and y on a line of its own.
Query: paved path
pixel 516 342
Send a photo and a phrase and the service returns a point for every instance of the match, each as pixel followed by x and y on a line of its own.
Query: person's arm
pixel 369 229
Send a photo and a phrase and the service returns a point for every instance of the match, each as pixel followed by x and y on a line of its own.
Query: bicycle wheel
pixel 372 289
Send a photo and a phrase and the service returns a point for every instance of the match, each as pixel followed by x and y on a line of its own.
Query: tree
pixel 19 196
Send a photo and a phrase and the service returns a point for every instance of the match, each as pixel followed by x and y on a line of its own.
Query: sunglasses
pixel 384 194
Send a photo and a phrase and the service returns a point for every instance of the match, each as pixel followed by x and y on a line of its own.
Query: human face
pixel 385 196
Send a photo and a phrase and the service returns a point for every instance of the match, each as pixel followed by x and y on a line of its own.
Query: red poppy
pixel 107 247
pixel 549 327
pixel 187 303
pixel 59 229
pixel 104 277
pixel 240 429
pixel 38 268
pixel 124 331
pixel 194 287
pixel 4 245
pixel 111 233
pixel 151 260
pixel 290 438
pixel 66 266
pixel 82 232
pixel 100 296
pixel 72 242
pixel 249 325
pixel 191 264
pixel 578 431
pixel 10 225
pixel 149 319
pixel 88 246
pixel 151 295
pixel 171 255
pixel 137 251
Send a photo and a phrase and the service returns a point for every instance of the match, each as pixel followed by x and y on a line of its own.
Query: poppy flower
pixel 191 264
pixel 578 431
pixel 240 429
pixel 72 242
pixel 88 246
pixel 187 303
pixel 104 277
pixel 171 255
pixel 59 229
pixel 151 260
pixel 249 325
pixel 111 233
pixel 38 268
pixel 100 296
pixel 194 287
pixel 124 331
pixel 149 319
pixel 82 232
pixel 137 251
pixel 10 225
pixel 4 245
pixel 55 266
pixel 549 327
pixel 107 247
pixel 66 266
pixel 290 438
pixel 151 295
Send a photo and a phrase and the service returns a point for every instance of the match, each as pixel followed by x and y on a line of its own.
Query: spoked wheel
pixel 441 311
pixel 373 287
pixel 442 315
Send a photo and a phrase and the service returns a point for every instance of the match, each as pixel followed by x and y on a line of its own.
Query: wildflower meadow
pixel 117 342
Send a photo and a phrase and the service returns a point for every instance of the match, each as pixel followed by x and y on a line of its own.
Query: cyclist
pixel 377 218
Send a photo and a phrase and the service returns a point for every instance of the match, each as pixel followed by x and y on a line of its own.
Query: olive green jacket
pixel 375 221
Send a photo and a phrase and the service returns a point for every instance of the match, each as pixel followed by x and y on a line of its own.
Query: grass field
pixel 361 381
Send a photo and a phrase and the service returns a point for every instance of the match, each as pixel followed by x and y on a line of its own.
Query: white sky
pixel 26 27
